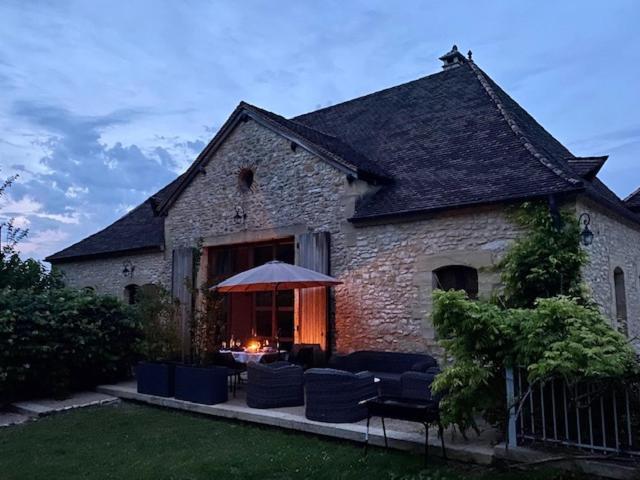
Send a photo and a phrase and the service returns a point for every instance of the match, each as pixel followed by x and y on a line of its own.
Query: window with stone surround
pixel 457 277
pixel 621 300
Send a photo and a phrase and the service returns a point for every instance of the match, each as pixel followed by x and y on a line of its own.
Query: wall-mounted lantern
pixel 128 269
pixel 586 235
pixel 240 216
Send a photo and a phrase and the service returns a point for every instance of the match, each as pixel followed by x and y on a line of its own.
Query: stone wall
pixel 105 275
pixel 616 243
pixel 386 299
pixel 386 269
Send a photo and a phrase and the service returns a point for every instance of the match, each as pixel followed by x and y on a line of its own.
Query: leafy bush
pixel 565 339
pixel 157 314
pixel 61 339
pixel 558 337
pixel 21 274
pixel 54 339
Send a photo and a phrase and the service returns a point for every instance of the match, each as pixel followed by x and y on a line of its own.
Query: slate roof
pixel 446 143
pixel 587 167
pixel 633 201
pixel 447 140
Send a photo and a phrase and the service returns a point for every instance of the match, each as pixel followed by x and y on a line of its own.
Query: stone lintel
pixel 252 236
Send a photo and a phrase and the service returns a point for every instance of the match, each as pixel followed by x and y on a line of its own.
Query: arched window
pixel 457 277
pixel 131 294
pixel 621 299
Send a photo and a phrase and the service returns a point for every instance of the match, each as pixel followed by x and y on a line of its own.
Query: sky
pixel 103 103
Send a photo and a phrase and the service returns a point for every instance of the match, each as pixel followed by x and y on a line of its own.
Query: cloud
pixel 27 207
pixel 101 109
pixel 81 182
pixel 43 240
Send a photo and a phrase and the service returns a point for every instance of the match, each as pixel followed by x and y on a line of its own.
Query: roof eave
pixel 53 260
pixel 420 214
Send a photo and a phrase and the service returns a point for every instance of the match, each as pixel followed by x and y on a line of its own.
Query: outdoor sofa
pixel 307 355
pixel 274 385
pixel 335 396
pixel 387 366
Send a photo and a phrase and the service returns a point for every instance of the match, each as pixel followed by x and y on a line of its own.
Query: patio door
pixel 312 303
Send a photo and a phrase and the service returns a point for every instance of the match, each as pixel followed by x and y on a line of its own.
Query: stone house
pixel 394 193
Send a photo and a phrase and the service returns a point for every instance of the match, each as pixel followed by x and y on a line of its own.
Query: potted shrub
pixel 160 343
pixel 202 382
pixel 205 384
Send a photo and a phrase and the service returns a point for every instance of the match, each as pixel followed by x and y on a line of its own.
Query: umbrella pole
pixel 274 320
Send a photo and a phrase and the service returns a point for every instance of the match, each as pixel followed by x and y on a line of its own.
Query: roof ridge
pixel 517 131
pixel 292 120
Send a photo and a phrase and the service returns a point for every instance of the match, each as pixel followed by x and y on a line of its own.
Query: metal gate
pixel 602 416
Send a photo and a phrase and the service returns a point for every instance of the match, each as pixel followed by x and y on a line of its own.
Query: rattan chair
pixel 273 385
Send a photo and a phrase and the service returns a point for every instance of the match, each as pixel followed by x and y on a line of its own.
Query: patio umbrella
pixel 275 275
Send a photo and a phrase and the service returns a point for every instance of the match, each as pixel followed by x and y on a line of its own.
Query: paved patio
pixel 401 435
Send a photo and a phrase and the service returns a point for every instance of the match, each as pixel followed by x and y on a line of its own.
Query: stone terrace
pixel 401 435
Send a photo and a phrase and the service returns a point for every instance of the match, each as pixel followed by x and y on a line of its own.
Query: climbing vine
pixel 543 320
pixel 545 262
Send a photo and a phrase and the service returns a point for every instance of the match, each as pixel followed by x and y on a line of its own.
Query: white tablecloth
pixel 246 357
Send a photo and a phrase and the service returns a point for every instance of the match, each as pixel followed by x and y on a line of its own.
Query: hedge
pixel 58 340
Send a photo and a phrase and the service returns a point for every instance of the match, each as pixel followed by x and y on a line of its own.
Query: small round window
pixel 245 179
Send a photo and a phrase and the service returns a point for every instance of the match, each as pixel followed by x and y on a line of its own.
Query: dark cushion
pixel 390 362
pixel 417 385
pixel 389 383
pixel 424 365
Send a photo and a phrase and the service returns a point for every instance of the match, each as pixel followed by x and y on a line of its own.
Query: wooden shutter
pixel 182 290
pixel 312 318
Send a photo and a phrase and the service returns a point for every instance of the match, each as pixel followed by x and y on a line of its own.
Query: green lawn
pixel 130 441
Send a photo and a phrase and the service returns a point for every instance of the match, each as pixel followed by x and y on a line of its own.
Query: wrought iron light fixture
pixel 586 235
pixel 128 269
pixel 240 215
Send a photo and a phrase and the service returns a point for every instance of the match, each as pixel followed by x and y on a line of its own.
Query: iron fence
pixel 601 417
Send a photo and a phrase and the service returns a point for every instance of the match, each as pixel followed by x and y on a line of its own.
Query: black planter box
pixel 207 385
pixel 155 378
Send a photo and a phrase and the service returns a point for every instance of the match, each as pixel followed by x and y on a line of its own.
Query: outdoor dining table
pixel 248 357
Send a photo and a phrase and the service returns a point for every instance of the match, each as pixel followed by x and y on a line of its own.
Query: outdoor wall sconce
pixel 240 216
pixel 128 269
pixel 586 235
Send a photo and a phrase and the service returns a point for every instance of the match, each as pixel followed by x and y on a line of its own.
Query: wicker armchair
pixel 274 385
pixel 334 396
